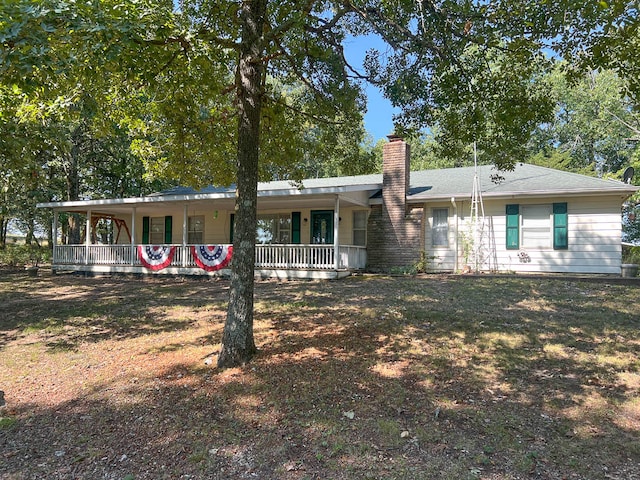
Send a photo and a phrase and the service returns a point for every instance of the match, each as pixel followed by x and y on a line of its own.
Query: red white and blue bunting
pixel 155 257
pixel 212 257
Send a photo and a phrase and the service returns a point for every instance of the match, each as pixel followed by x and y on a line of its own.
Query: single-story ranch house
pixel 532 219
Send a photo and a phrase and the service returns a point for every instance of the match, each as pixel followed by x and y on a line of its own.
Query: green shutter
pixel 168 229
pixel 513 227
pixel 295 227
pixel 560 226
pixel 231 225
pixel 145 230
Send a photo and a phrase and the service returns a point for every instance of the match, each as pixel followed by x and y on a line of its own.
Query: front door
pixel 322 226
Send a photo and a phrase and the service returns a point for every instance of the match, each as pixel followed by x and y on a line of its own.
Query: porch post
pixel 133 236
pixel 185 227
pixel 455 227
pixel 54 237
pixel 336 231
pixel 87 238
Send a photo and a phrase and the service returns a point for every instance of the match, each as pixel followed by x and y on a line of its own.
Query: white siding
pixel 594 237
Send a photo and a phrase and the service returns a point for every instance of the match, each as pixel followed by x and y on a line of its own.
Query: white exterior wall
pixel 594 238
pixel 217 227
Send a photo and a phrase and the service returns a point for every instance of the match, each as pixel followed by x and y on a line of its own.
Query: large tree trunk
pixel 238 345
pixel 73 184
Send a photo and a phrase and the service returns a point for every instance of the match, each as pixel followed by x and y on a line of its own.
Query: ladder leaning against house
pixel 483 254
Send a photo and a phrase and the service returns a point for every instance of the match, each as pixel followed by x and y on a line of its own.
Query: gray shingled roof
pixel 525 179
pixel 179 190
pixel 425 185
pixel 310 183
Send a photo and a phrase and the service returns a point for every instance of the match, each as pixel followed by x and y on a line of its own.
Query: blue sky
pixel 378 119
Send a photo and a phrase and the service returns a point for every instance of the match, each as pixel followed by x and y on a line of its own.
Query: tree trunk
pixel 238 345
pixel 73 184
pixel 29 237
pixel 3 232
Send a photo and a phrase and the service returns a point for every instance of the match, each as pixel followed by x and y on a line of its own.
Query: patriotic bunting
pixel 155 257
pixel 212 257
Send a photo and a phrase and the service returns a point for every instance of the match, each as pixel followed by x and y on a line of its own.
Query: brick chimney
pixel 395 176
pixel 394 232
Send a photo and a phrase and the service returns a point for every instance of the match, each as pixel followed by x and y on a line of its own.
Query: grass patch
pixel 7 422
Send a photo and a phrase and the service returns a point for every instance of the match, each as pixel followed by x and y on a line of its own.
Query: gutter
pixel 626 192
pixel 208 196
pixel 455 215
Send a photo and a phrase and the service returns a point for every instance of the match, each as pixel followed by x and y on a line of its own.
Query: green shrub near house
pixel 15 255
pixel 631 254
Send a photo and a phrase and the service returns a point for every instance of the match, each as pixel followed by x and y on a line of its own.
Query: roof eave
pixel 133 201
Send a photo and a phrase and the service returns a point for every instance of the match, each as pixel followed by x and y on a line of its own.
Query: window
pixel 157 230
pixel 360 228
pixel 273 228
pixel 537 226
pixel 195 227
pixel 440 227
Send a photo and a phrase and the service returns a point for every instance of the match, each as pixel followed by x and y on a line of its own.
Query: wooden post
pixel 54 237
pixel 133 236
pixel 185 233
pixel 336 232
pixel 87 238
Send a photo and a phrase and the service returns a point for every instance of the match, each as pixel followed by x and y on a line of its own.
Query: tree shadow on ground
pixel 68 310
pixel 368 378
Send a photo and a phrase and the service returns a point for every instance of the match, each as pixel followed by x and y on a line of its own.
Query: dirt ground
pixel 428 377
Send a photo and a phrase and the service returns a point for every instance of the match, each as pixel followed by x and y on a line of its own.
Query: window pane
pixel 195 233
pixel 360 220
pixel 157 224
pixel 360 228
pixel 273 228
pixel 156 234
pixel 195 238
pixel 536 226
pixel 196 223
pixel 266 231
pixel 440 227
pixel 284 229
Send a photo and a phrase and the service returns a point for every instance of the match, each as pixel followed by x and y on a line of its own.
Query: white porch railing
pixel 290 257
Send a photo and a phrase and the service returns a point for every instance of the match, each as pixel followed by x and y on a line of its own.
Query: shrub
pixel 631 254
pixel 21 255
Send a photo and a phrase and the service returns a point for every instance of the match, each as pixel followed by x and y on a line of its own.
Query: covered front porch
pixel 315 235
pixel 281 261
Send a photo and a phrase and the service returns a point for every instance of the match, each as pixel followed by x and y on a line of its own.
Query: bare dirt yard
pixel 431 377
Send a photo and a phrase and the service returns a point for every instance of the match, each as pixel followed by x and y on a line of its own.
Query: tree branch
pixel 311 116
pixel 273 33
pixel 299 75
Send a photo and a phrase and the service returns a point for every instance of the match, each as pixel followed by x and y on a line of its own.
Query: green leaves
pixel 475 71
pixel 593 123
